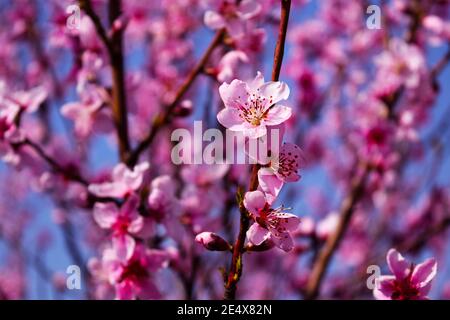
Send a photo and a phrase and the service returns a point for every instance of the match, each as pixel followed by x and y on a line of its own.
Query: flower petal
pixel 277 115
pixel 234 94
pixel 275 91
pixel 213 20
pixel 257 234
pixel 230 119
pixel 105 214
pixel 384 287
pixel 254 201
pixel 397 264
pixel 269 183
pixel 424 272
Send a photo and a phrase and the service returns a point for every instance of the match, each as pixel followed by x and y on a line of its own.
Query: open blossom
pixel 409 282
pixel 229 64
pixel 252 106
pixel 133 278
pixel 29 100
pixel 83 112
pixel 273 224
pixel 162 198
pixel 123 222
pixel 124 181
pixel 232 16
pixel 283 168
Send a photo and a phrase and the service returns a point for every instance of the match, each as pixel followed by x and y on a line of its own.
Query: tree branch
pixel 165 116
pixel 238 248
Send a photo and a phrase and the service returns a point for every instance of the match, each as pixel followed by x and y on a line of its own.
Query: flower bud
pixel 212 241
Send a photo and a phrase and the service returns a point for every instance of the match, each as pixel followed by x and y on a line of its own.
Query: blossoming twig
pixel 238 249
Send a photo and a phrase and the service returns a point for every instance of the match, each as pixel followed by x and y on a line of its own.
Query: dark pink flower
pixel 274 224
pixel 133 278
pixel 123 222
pixel 409 282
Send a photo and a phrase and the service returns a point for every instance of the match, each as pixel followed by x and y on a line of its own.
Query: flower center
pixel 254 110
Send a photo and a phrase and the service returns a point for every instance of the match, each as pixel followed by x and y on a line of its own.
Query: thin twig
pixel 166 115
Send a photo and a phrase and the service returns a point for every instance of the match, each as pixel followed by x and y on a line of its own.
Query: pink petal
pixel 105 214
pixel 283 241
pixel 424 272
pixel 234 94
pixel 277 115
pixel 288 221
pixel 257 82
pixel 397 264
pixel 125 290
pixel 384 287
pixel 257 234
pixel 108 189
pixel 213 20
pixel 269 183
pixel 123 246
pixel 248 9
pixel 230 119
pixel 254 201
pixel 275 91
pixel 235 27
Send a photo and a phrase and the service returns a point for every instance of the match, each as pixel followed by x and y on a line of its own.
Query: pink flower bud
pixel 212 241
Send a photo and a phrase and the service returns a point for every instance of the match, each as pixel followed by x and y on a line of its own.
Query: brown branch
pixel 119 106
pixel 114 46
pixel 165 116
pixel 321 264
pixel 238 248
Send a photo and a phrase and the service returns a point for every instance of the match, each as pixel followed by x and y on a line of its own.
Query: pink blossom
pixel 274 224
pixel 232 16
pixel 29 100
pixel 283 168
pixel 251 106
pixel 124 181
pixel 408 282
pixel 229 63
pixel 83 112
pixel 133 278
pixel 162 198
pixel 123 222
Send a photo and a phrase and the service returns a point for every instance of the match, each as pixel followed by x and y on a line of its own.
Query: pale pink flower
pixel 227 67
pixel 124 181
pixel 133 279
pixel 28 101
pixel 409 282
pixel 282 168
pixel 162 198
pixel 273 224
pixel 83 112
pixel 251 106
pixel 123 222
pixel 232 16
